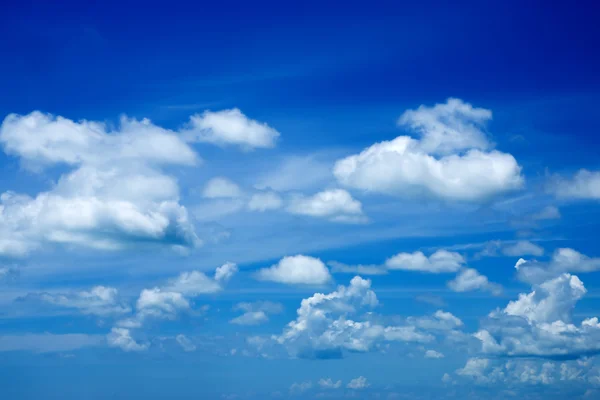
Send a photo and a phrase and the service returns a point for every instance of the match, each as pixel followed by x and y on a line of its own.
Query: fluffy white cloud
pixel 470 279
pixel 167 301
pixel 540 324
pixel 329 383
pixel 192 283
pixel 447 162
pixel 298 269
pixel 446 128
pixel 441 261
pixel 336 204
pixel 100 300
pixel 583 185
pixel 42 140
pixel 121 337
pixel 230 127
pixel 251 318
pixel 433 354
pixel 114 193
pixel 256 313
pixel 358 383
pixel 185 343
pixel 220 187
pixel 562 260
pixel 225 272
pixel 264 201
pixel 160 304
pixel 325 328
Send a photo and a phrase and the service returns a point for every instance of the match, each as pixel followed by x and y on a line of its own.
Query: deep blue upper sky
pixel 289 153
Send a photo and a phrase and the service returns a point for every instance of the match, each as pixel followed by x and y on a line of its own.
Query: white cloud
pixel 441 261
pixel 329 383
pixel 523 248
pixel 157 303
pixel 446 162
pixel 469 280
pixel 583 185
pixel 265 201
pixel 325 326
pixel 539 324
pixel 562 260
pixel 41 140
pixel 219 187
pixel 100 300
pixel 256 313
pixel 298 269
pixel 185 343
pixel 358 383
pixel 169 300
pixel 433 354
pixel 121 337
pixel 446 128
pixel 192 283
pixel 336 204
pixel 225 272
pixel 230 127
pixel 251 318
pixel 113 195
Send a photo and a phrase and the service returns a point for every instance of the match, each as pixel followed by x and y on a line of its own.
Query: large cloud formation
pixel 451 160
pixel 114 192
pixel 328 325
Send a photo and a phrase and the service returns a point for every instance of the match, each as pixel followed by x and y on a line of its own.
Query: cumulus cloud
pixel 583 185
pixel 441 261
pixel 225 272
pixel 470 279
pixel 121 337
pixel 433 354
pixel 449 161
pixel 230 127
pixel 113 193
pixel 539 324
pixel 297 269
pixel 168 301
pixel 358 383
pixel 328 325
pixel 220 187
pixel 256 313
pixel 336 204
pixel 562 260
pixel 446 128
pixel 329 383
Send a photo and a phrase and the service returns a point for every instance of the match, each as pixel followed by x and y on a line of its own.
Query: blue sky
pixel 265 200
